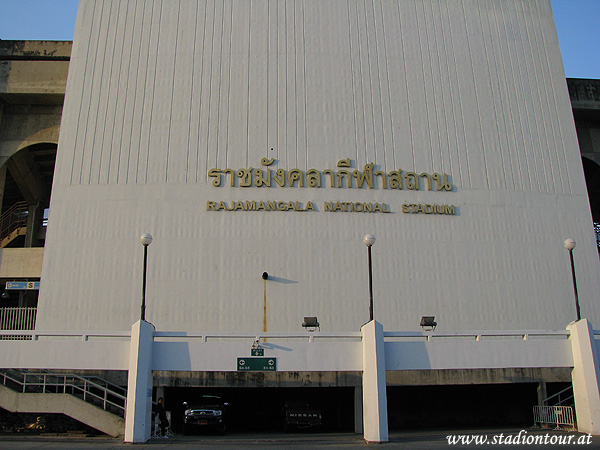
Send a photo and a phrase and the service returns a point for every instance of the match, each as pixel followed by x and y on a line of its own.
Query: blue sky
pixel 577 23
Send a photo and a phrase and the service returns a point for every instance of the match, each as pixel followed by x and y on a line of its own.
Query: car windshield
pixel 208 402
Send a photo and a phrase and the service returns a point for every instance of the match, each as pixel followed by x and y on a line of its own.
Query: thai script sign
pixel 342 178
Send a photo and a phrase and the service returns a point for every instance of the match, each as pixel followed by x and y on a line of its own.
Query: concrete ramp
pixel 62 404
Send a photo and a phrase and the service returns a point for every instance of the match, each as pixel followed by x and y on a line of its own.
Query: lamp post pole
pixel 369 240
pixel 570 245
pixel 145 240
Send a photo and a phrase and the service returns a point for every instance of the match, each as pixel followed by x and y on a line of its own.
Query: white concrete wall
pixel 327 352
pixel 291 356
pixel 161 92
pixel 67 350
pixel 465 352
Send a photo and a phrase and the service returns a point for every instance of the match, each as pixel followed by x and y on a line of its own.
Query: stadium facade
pixel 259 141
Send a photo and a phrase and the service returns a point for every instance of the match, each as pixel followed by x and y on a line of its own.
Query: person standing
pixel 159 410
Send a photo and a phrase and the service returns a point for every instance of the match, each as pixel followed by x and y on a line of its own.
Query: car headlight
pixel 188 412
pixel 218 413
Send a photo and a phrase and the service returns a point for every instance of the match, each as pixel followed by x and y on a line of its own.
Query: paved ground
pixel 419 439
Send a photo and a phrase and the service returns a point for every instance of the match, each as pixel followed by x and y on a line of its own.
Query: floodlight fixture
pixel 428 323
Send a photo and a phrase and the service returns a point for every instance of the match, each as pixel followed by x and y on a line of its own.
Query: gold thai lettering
pixel 340 175
pixel 296 175
pixel 280 177
pixel 331 174
pixel 231 173
pixel 383 179
pixel 366 176
pixel 428 178
pixel 245 176
pixel 342 178
pixel 442 183
pixel 412 181
pixel 344 162
pixel 262 178
pixel 216 173
pixel 395 179
pixel 313 176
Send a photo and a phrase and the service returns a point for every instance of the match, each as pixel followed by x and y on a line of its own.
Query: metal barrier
pixel 101 393
pixel 543 416
pixel 18 318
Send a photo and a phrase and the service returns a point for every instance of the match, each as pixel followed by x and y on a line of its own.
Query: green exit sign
pixel 257 352
pixel 256 364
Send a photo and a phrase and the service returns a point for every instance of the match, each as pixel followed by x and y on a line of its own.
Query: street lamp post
pixel 146 240
pixel 369 240
pixel 570 245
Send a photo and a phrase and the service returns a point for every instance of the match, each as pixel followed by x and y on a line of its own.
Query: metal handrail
pixel 101 381
pixel 558 394
pixel 13 218
pixel 18 318
pixel 90 389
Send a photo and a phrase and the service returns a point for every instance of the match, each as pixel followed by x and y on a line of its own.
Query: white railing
pixel 67 335
pixel 97 391
pixel 543 416
pixel 475 335
pixel 260 337
pixel 87 349
pixel 18 318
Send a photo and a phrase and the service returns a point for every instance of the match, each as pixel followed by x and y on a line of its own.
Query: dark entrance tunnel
pixel 449 406
pixel 478 405
pixel 260 409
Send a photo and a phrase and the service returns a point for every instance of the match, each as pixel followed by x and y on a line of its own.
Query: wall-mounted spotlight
pixel 265 276
pixel 428 323
pixel 311 324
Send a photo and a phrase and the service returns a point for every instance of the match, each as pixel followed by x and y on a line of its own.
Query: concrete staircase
pixel 67 404
pixel 88 399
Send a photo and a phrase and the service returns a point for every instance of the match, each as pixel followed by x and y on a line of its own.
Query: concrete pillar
pixel 138 416
pixel 375 419
pixel 542 393
pixel 358 410
pixel 34 223
pixel 2 177
pixel 585 375
pixel 160 392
